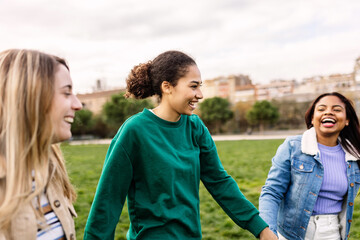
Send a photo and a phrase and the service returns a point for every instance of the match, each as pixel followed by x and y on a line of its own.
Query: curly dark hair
pixel 145 79
pixel 350 135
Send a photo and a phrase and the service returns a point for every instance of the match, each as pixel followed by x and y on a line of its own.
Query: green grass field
pixel 248 162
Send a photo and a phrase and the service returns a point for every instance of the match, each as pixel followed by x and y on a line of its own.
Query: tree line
pixel 217 113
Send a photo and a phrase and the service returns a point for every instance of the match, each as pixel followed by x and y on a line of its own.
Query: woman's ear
pixel 166 87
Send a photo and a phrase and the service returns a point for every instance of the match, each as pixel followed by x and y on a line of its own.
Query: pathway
pixel 256 136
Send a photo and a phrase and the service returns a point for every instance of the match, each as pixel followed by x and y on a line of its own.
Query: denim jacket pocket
pixel 301 172
pixel 302 166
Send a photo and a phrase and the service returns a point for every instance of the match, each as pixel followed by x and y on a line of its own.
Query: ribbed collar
pixel 324 148
pixel 163 122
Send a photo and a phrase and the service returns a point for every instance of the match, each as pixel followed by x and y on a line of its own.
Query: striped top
pixel 335 183
pixel 52 228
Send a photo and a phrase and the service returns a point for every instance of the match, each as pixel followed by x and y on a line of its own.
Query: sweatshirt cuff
pixel 256 225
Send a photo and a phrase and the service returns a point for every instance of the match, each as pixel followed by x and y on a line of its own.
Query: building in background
pixel 275 89
pixel 331 83
pixel 234 87
pixel 94 101
pixel 239 88
pixel 357 73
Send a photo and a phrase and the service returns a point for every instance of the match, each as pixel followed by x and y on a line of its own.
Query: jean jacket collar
pixel 309 145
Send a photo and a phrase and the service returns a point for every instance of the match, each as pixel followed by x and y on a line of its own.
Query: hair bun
pixel 138 82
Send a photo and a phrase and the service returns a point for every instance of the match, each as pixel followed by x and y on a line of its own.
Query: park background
pixel 263 125
pixel 248 161
pixel 286 53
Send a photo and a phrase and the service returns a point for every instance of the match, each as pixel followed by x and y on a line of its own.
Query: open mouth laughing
pixel 192 104
pixel 328 122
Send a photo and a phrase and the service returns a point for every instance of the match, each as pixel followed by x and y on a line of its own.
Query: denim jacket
pixel 288 198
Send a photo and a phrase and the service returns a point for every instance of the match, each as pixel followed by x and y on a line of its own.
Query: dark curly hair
pixel 350 135
pixel 145 79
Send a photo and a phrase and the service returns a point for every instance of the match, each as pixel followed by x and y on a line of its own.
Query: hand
pixel 267 234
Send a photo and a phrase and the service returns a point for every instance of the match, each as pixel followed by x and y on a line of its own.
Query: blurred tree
pixel 240 110
pixel 120 108
pixel 261 113
pixel 291 114
pixel 83 122
pixel 215 112
pixel 101 128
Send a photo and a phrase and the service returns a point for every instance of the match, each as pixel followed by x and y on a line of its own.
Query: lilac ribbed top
pixel 335 183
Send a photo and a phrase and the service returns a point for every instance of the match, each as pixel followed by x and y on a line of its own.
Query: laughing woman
pixel 37 107
pixel 158 158
pixel 314 179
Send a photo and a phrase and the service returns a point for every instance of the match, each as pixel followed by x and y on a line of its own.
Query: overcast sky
pixel 265 39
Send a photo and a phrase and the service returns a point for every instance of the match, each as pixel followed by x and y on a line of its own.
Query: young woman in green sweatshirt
pixel 158 158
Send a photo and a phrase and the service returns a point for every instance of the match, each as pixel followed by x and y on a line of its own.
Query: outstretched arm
pixel 276 186
pixel 225 190
pixel 110 195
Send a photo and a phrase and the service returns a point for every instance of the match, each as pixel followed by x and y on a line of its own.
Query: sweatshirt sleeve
pixel 110 194
pixel 275 186
pixel 225 190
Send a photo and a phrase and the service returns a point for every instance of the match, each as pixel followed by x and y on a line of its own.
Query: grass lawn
pixel 247 161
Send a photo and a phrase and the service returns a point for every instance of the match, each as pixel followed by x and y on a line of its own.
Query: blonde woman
pixel 37 107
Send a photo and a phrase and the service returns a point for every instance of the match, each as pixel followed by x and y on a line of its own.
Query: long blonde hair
pixel 27 152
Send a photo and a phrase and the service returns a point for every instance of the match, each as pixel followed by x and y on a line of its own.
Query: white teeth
pixel 69 119
pixel 328 120
pixel 193 104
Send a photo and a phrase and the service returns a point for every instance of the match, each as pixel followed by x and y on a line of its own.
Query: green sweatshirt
pixel 158 165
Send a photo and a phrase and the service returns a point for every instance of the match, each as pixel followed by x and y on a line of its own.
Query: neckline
pixel 328 148
pixel 163 122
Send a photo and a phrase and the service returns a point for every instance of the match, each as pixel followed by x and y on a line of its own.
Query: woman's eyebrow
pixel 67 86
pixel 324 105
pixel 195 81
pixel 337 106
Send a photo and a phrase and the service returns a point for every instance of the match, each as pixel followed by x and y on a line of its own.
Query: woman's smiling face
pixel 329 116
pixel 186 94
pixel 64 105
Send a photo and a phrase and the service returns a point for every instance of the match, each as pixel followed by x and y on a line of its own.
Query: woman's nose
pixel 76 105
pixel 328 112
pixel 199 94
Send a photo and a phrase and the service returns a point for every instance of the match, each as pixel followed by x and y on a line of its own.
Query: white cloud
pixel 265 39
